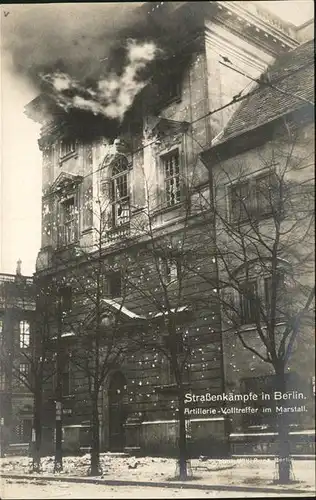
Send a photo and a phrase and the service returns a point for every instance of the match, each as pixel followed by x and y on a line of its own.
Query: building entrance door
pixel 117 412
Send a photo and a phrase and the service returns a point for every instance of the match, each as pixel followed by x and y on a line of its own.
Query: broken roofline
pixel 114 306
pixel 173 310
pixel 117 307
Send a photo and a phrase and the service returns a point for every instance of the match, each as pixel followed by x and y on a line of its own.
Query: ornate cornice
pixel 64 181
pixel 256 25
pixel 223 42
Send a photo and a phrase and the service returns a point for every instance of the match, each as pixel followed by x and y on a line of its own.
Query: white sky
pixel 20 172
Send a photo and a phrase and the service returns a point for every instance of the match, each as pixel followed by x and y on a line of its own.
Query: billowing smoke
pixel 93 58
pixel 81 54
pixel 111 96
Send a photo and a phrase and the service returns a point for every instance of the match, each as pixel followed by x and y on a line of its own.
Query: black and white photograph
pixel 157 250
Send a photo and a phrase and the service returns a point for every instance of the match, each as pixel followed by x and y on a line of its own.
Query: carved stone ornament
pixel 164 133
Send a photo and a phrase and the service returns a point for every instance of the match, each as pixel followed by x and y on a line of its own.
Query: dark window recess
pixel 241 201
pixel 248 299
pixel 255 197
pixel 268 289
pixel 65 381
pixel 169 89
pixel 65 298
pixel 174 343
pixel 266 194
pixel 115 284
pixel 67 146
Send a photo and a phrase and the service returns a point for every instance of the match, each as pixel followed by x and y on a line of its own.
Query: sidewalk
pixel 221 475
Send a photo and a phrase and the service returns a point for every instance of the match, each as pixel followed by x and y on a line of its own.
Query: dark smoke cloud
pixel 93 57
pixel 75 38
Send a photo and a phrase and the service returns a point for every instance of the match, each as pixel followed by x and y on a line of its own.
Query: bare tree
pixel 264 220
pixel 27 358
pixel 161 282
pixel 99 344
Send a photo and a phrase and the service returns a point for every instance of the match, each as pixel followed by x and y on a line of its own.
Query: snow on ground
pixel 245 471
pixel 11 489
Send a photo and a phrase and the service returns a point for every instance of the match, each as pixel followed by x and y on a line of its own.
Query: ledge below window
pixel 167 208
pixel 170 388
pixel 252 327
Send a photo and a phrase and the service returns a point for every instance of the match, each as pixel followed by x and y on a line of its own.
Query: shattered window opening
pixel 171 166
pixel 120 193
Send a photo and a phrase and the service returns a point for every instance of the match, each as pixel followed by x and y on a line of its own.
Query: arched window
pixel 120 198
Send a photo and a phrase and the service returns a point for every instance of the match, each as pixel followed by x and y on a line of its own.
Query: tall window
pixel 170 269
pixel 171 167
pixel 65 379
pixel 115 284
pixel 280 288
pixel 67 146
pixel 24 334
pixel 240 201
pixel 69 226
pixel 248 299
pixel 24 371
pixel 1 330
pixel 2 379
pixel 23 431
pixel 266 193
pixel 65 298
pixel 169 87
pixel 175 343
pixel 120 193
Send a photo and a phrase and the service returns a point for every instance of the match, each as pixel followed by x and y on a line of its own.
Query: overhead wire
pixel 235 99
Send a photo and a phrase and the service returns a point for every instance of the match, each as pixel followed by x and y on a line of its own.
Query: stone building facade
pixel 126 224
pixel 277 143
pixel 17 315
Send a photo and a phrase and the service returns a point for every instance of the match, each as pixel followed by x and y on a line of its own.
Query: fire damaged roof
pixel 114 306
pixel 292 73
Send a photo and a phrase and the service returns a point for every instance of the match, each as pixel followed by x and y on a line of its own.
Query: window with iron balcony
pixel 172 182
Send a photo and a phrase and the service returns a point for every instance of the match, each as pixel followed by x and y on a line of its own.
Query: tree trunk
pixel 284 448
pixel 183 473
pixel 95 469
pixel 37 432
